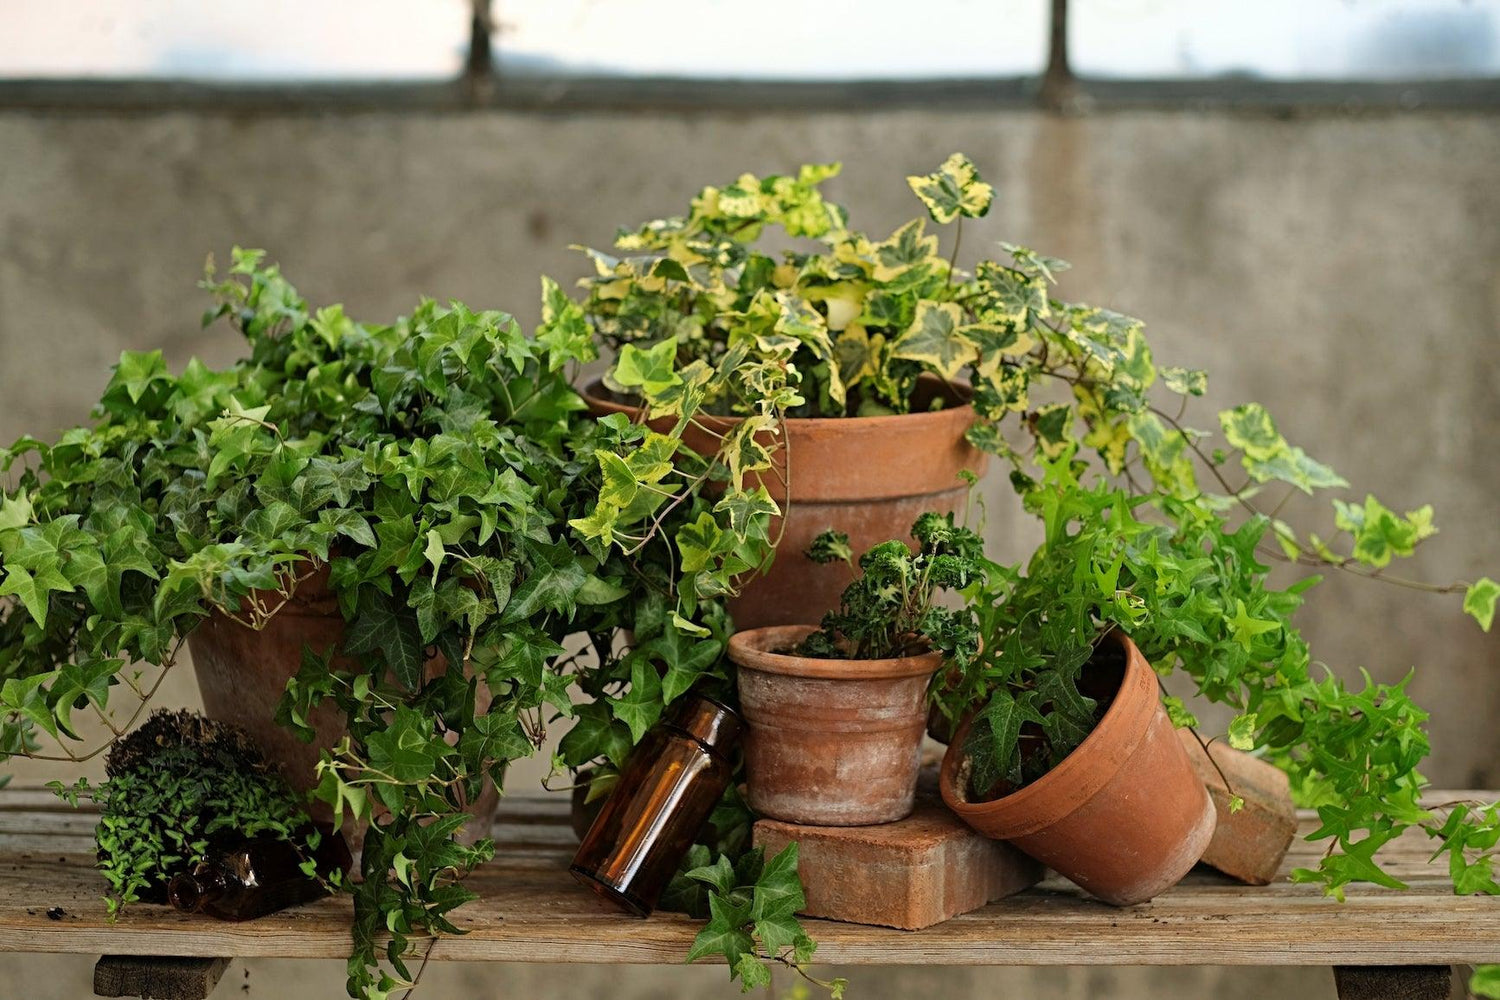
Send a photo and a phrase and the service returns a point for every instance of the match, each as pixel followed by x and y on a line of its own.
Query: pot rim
pixel 1068 786
pixel 590 391
pixel 753 649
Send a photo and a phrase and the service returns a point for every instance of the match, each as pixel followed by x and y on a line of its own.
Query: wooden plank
pixel 157 978
pixel 530 910
pixel 1412 982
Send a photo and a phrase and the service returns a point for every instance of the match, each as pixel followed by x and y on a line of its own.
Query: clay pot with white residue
pixel 829 742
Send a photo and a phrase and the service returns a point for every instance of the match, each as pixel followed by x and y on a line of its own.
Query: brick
pixel 1247 845
pixel 910 874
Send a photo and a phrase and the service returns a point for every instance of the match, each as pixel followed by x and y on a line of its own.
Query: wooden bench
pixel 1383 943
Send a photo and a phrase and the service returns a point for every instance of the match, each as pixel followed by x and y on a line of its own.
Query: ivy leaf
pixel 953 190
pixel 720 875
pixel 935 339
pixel 564 331
pixel 384 629
pixel 1242 731
pixel 1479 601
pixel 744 509
pixel 649 370
pixel 778 890
pixel 594 735
pixel 34 590
pixel 1485 982
pixel 1185 381
pixel 553 584
pixel 640 707
pixel 1251 429
pixel 725 933
pixel 137 372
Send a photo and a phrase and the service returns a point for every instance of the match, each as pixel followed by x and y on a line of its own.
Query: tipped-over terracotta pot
pixel 1124 815
pixel 242 674
pixel 868 477
pixel 829 742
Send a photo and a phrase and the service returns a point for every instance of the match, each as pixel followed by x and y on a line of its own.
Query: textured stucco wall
pixel 1342 271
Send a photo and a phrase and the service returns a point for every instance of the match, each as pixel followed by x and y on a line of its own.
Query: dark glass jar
pixel 257 876
pixel 665 793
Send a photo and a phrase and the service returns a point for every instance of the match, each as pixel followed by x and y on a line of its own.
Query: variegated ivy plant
pixel 706 322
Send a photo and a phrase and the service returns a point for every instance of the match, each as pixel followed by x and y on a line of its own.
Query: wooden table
pixel 531 911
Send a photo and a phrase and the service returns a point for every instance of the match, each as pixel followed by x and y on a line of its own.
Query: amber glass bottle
pixel 666 791
pixel 257 876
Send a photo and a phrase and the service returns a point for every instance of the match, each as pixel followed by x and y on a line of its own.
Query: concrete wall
pixel 1342 271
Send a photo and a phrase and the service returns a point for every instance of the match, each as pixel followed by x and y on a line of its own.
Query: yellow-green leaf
pixel 935 338
pixel 952 190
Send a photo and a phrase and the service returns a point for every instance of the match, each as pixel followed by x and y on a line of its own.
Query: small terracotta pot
pixel 868 477
pixel 829 742
pixel 242 674
pixel 1124 815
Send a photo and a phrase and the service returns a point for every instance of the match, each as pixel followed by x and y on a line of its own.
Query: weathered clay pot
pixel 242 674
pixel 1124 815
pixel 829 742
pixel 866 476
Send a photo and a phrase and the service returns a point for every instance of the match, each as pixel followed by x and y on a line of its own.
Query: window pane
pixel 1286 39
pixel 268 40
pixel 773 39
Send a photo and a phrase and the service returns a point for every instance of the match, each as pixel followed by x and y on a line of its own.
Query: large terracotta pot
pixel 866 476
pixel 1124 815
pixel 829 742
pixel 242 674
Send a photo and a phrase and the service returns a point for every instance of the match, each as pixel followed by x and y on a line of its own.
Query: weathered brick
pixel 1248 844
pixel 910 874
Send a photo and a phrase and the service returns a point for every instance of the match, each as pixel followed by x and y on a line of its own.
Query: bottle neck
pixel 192 891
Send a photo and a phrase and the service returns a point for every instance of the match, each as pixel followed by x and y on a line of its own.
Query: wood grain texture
pixel 531 911
pixel 157 978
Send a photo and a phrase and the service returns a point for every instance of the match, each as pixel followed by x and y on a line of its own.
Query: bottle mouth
pixel 184 893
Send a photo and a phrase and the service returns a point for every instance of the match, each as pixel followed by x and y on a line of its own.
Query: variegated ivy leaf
pixel 1031 262
pixel 1012 297
pixel 1381 534
pixel 842 302
pixel 745 508
pixel 1268 456
pixel 1053 427
pixel 995 343
pixel 685 398
pixel 857 354
pixel 1251 429
pixel 742 452
pixel 907 248
pixel 649 370
pixel 1185 381
pixel 954 189
pixel 1165 453
pixel 620 486
pixel 936 338
pixel 1479 601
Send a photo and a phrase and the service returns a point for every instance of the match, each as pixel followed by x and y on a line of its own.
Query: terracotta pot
pixel 1124 815
pixel 242 674
pixel 829 742
pixel 866 476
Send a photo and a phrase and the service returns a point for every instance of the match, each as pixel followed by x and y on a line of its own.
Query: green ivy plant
pixel 890 609
pixel 176 788
pixel 1191 589
pixel 433 466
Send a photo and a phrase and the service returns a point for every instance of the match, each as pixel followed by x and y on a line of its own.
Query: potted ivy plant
pixel 836 713
pixel 822 385
pixel 405 492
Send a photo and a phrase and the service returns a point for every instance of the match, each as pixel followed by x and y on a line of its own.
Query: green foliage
pixel 178 787
pixel 431 469
pixel 751 906
pixel 889 609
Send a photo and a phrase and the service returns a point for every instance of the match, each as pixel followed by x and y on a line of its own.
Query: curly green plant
pixel 889 609
pixel 177 787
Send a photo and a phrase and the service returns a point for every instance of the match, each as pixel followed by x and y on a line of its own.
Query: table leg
pixel 157 978
pixel 1393 982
